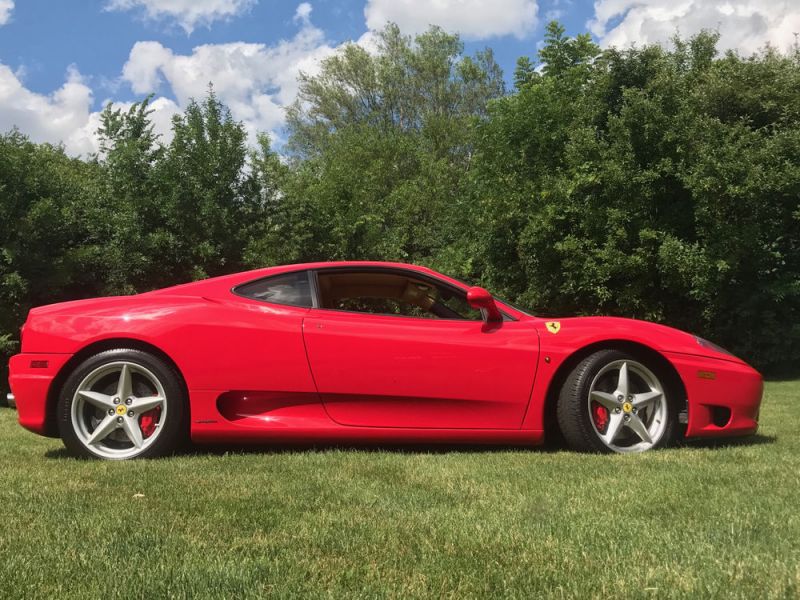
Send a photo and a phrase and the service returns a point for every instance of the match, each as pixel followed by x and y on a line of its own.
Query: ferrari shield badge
pixel 553 326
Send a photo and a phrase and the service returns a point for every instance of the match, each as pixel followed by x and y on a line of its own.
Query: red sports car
pixel 363 351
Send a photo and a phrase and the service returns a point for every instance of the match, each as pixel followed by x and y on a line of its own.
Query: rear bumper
pixel 30 377
pixel 724 396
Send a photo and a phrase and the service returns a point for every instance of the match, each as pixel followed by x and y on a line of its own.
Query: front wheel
pixel 613 401
pixel 121 404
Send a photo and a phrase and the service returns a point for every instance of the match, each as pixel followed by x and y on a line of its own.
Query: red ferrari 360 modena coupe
pixel 363 352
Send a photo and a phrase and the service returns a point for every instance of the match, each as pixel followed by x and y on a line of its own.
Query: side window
pixel 384 306
pixel 392 293
pixel 457 302
pixel 293 289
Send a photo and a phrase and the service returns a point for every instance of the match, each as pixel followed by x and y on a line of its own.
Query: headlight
pixel 712 346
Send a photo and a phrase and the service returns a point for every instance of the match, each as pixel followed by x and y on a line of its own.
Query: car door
pixel 382 370
pixel 249 359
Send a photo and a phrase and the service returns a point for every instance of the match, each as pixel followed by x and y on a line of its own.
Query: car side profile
pixel 363 352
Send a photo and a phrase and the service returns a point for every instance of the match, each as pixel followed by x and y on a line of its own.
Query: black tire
pixel 573 410
pixel 173 429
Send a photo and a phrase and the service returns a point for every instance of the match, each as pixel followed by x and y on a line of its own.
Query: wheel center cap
pixel 627 407
pixel 121 409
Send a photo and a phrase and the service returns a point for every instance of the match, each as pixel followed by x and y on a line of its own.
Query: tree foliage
pixel 654 183
pixel 381 145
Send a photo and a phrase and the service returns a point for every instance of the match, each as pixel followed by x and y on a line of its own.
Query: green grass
pixel 696 521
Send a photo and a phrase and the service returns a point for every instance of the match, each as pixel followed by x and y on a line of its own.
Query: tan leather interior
pixel 337 286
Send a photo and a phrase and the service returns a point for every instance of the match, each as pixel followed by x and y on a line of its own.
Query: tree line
pixel 656 183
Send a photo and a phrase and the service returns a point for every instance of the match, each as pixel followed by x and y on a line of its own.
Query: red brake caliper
pixel 600 416
pixel 148 420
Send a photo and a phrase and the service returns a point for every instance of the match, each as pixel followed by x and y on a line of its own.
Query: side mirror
pixel 479 298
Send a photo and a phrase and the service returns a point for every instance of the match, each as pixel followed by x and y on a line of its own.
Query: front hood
pixel 582 331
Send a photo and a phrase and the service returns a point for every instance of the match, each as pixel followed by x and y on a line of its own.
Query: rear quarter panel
pixel 216 344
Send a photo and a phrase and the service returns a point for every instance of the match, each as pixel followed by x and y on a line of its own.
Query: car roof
pixel 215 285
pixel 221 286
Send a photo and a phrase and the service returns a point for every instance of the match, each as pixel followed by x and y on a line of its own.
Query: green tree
pixel 660 184
pixel 203 183
pixel 381 145
pixel 124 215
pixel 42 192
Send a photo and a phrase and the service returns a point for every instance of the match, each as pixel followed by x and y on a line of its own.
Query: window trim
pixel 312 286
pixel 312 274
pixel 399 270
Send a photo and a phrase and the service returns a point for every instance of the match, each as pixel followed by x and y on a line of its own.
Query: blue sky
pixel 45 37
pixel 60 61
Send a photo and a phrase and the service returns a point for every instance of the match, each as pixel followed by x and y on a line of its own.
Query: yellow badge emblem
pixel 627 407
pixel 553 326
pixel 121 410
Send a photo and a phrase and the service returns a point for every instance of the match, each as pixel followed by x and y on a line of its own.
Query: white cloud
pixel 303 13
pixel 6 6
pixel 256 81
pixel 66 115
pixel 472 19
pixel 744 25
pixel 187 13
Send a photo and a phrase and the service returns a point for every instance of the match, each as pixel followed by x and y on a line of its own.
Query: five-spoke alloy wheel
pixel 121 404
pixel 613 401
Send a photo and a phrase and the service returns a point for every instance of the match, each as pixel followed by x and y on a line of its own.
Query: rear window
pixel 293 289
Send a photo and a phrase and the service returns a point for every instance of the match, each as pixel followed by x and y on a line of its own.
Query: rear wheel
pixel 613 401
pixel 121 404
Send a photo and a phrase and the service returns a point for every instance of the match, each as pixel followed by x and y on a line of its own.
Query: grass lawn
pixel 696 521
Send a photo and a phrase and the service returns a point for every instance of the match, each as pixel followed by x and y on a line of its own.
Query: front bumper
pixel 30 377
pixel 724 396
